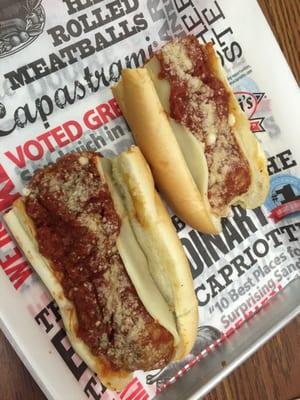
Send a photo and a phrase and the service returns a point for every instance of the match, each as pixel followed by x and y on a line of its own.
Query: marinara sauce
pixel 76 229
pixel 200 102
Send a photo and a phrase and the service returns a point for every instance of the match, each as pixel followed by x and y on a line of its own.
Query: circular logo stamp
pixel 284 196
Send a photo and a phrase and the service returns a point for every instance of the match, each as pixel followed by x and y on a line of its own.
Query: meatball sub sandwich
pixel 98 235
pixel 190 128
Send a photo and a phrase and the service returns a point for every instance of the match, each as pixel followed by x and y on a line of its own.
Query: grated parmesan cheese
pixel 83 160
pixel 176 57
pixel 231 119
pixel 203 109
pixel 26 191
pixel 78 214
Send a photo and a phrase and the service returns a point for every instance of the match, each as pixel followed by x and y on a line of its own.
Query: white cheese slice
pixel 136 263
pixel 193 153
pixel 138 270
pixel 191 148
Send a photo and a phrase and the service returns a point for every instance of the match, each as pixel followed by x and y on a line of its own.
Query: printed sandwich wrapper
pixel 58 60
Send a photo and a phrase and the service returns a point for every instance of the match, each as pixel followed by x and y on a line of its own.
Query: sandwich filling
pixel 77 228
pixel 200 102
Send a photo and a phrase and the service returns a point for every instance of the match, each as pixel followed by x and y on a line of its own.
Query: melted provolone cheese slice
pixel 191 148
pixel 137 268
pixel 193 153
pixel 136 263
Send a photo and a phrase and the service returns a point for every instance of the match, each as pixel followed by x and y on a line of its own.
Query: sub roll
pixel 186 120
pixel 98 235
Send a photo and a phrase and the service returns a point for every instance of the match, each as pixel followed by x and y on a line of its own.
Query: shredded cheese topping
pixel 200 102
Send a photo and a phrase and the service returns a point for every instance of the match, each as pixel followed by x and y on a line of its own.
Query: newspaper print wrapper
pixel 58 61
